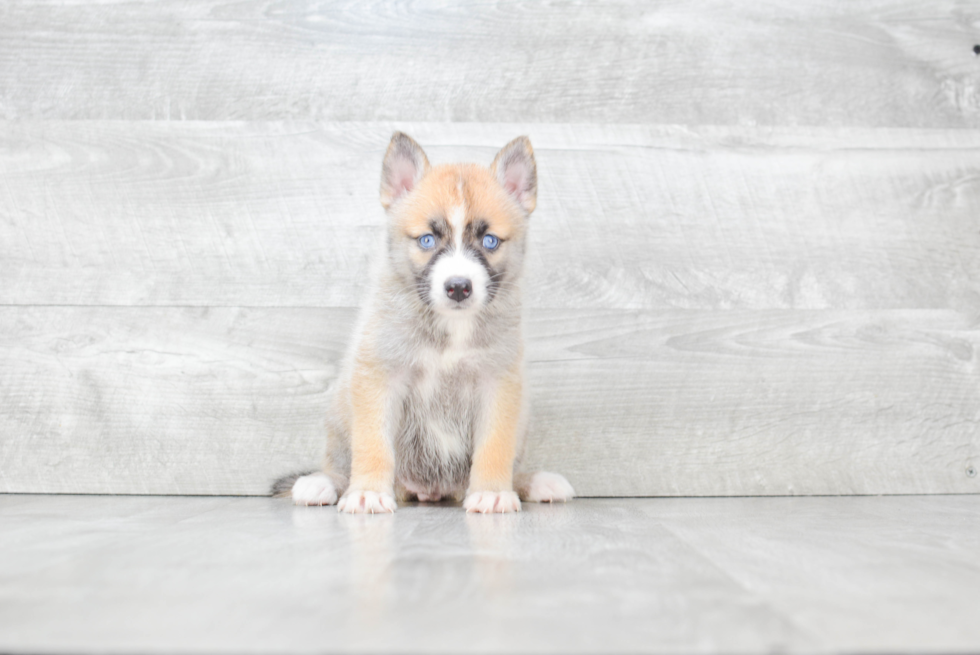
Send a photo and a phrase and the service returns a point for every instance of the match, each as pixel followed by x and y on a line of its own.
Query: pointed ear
pixel 404 165
pixel 516 171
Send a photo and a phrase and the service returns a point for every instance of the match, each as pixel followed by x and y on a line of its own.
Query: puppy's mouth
pixel 453 307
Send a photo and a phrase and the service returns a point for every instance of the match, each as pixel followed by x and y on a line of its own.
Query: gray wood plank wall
pixel 871 63
pixel 755 254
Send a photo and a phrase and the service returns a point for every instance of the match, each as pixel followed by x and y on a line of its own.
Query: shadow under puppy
pixel 430 402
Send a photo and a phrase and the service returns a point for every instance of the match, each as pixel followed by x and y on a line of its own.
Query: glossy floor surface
pixel 204 574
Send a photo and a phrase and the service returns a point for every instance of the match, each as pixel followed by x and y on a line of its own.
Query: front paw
pixel 356 501
pixel 492 502
pixel 314 489
pixel 548 488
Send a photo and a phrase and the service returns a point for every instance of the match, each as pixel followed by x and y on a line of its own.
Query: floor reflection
pixel 372 554
pixel 493 548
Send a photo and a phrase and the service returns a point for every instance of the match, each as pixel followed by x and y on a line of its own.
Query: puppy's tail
pixel 283 487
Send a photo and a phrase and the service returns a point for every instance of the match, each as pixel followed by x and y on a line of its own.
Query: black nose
pixel 459 288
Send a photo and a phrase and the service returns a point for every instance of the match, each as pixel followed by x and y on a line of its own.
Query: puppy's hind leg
pixel 543 487
pixel 314 488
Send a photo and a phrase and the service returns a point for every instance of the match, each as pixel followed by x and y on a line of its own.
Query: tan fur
pixel 493 461
pixel 469 185
pixel 372 458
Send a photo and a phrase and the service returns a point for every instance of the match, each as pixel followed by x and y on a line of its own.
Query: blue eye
pixel 490 242
pixel 427 241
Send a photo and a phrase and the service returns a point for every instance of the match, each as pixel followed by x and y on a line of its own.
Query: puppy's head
pixel 456 232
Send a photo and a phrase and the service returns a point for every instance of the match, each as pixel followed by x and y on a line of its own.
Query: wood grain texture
pixel 772 402
pixel 634 217
pixel 679 402
pixel 117 400
pixel 869 63
pixel 687 576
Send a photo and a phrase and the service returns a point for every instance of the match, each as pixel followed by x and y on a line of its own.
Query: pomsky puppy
pixel 430 402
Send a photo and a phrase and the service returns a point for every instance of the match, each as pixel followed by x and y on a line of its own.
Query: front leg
pixel 371 489
pixel 491 487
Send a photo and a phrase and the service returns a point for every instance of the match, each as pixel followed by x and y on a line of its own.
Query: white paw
pixel 492 502
pixel 367 502
pixel 314 489
pixel 429 498
pixel 549 488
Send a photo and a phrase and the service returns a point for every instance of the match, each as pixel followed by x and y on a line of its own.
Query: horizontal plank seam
pixel 686 497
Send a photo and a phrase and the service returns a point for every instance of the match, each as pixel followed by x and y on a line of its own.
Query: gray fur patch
pixel 451 409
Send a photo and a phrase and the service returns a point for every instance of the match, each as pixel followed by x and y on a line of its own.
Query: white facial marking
pixel 458 263
pixel 457 219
